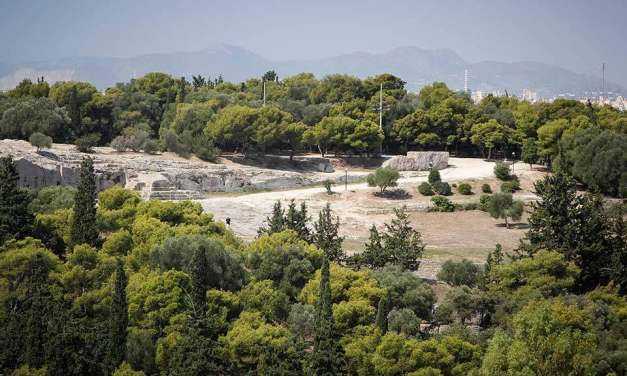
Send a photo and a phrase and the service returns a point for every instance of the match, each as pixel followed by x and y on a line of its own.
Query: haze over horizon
pixel 576 35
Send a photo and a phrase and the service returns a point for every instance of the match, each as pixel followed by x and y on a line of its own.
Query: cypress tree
pixel 84 223
pixel 199 270
pixel 326 236
pixel 382 313
pixel 119 317
pixel 15 218
pixel 327 357
pixel 274 223
pixel 291 216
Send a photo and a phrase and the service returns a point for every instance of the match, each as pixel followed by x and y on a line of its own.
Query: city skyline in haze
pixel 577 35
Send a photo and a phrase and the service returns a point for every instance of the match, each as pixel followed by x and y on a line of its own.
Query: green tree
pixel 328 356
pixel 459 273
pixel 40 140
pixel 383 308
pixel 199 271
pixel 326 234
pixel 502 205
pixel 530 152
pixel 274 223
pixel 402 242
pixel 119 317
pixel 34 115
pixel 84 228
pixel 16 219
pixel 383 178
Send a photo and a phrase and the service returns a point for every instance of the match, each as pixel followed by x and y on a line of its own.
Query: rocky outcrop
pixel 157 176
pixel 419 161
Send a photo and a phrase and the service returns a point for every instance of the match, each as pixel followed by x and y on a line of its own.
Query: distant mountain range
pixel 415 65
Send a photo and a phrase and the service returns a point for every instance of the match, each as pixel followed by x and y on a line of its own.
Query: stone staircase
pixel 162 190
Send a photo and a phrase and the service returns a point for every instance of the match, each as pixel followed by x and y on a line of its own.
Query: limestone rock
pixel 158 176
pixel 419 161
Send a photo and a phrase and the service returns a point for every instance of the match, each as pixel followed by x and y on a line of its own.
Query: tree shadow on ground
pixel 515 226
pixel 394 194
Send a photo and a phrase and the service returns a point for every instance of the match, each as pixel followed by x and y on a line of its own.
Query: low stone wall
pixel 419 161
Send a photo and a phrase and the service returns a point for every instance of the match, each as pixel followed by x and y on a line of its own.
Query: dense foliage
pixel 336 114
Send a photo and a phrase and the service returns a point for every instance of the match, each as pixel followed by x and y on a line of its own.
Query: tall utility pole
pixel 264 93
pixel 465 80
pixel 603 75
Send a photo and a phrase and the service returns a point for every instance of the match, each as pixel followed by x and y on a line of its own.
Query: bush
pixel 501 171
pixel 483 202
pixel 52 198
pixel 173 145
pixel 502 205
pixel 120 144
pixel 509 186
pixel 434 176
pixel 151 147
pixel 425 189
pixel 383 178
pixel 441 188
pixel 485 188
pixel 40 140
pixel 459 273
pixel 464 189
pixel 442 204
pixel 86 143
pixel 327 185
pixel 471 206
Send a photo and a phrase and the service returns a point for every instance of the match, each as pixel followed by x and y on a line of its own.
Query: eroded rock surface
pixel 164 176
pixel 419 161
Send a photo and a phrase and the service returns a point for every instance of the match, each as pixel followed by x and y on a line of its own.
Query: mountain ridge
pixel 416 65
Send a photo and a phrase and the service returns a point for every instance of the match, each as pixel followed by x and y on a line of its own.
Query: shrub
pixel 508 186
pixel 471 206
pixel 441 188
pixel 40 140
pixel 454 185
pixel 501 171
pixel 434 175
pixel 172 144
pixel 52 198
pixel 425 189
pixel 327 185
pixel 483 202
pixel 442 204
pixel 383 178
pixel 464 189
pixel 151 147
pixel 485 188
pixel 459 273
pixel 86 143
pixel 120 144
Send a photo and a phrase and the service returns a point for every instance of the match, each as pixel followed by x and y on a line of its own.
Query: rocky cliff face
pixel 155 176
pixel 419 161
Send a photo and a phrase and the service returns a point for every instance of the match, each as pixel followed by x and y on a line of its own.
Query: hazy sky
pixel 575 34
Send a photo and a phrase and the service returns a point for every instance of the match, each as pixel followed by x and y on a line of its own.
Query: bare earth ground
pixel 462 234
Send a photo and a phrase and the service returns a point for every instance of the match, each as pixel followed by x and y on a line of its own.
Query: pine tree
pixel 402 242
pixel 84 230
pixel 327 357
pixel 15 218
pixel 326 234
pixel 274 223
pixel 291 216
pixel 199 270
pixel 37 306
pixel 382 313
pixel 119 317
pixel 296 220
pixel 374 254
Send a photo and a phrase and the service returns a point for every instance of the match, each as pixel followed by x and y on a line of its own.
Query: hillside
pixel 416 65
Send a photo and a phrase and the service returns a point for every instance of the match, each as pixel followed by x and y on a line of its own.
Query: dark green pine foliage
pixel 119 317
pixel 37 308
pixel 15 218
pixel 199 272
pixel 327 357
pixel 274 223
pixel 374 254
pixel 402 242
pixel 84 230
pixel 326 234
pixel 296 220
pixel 382 313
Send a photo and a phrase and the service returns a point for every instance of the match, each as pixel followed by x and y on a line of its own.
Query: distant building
pixel 529 95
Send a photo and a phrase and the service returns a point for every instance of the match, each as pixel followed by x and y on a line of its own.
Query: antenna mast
pixel 465 80
pixel 264 93
pixel 603 75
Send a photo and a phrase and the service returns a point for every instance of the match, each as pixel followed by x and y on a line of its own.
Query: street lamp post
pixel 345 180
pixel 513 161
